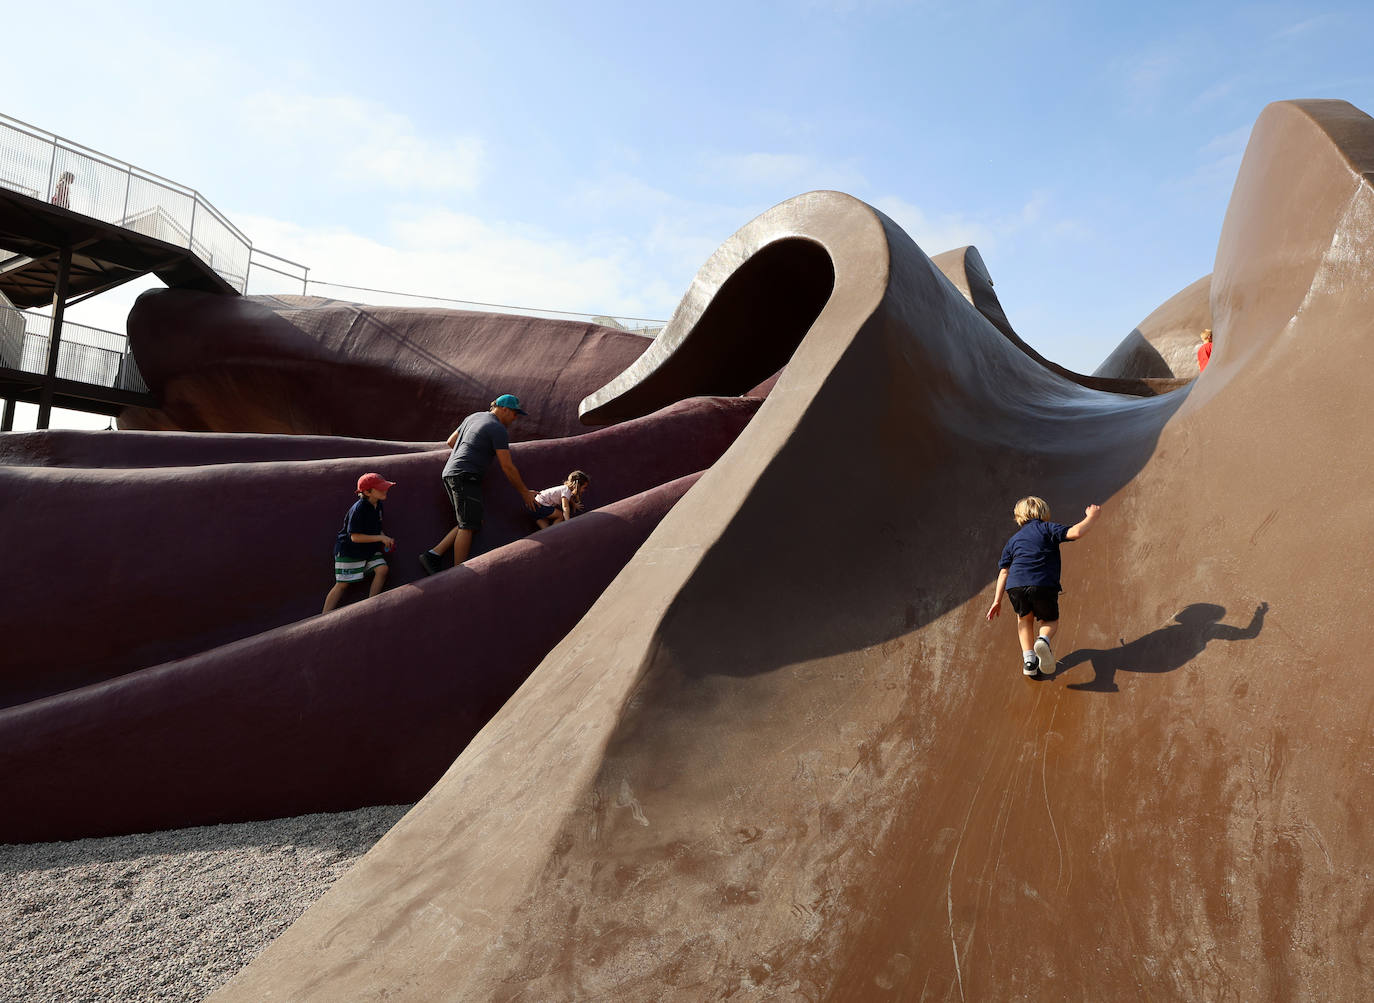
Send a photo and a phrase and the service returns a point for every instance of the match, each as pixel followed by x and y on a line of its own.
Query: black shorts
pixel 465 491
pixel 1041 600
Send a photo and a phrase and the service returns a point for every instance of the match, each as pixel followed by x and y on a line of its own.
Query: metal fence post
pixel 52 172
pixel 59 307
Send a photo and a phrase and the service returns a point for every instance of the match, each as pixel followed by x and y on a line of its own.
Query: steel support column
pixel 7 418
pixel 59 306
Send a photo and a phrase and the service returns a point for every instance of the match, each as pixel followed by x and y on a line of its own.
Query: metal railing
pixel 85 354
pixel 642 326
pixel 45 166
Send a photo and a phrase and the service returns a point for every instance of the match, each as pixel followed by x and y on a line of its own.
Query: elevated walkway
pixel 74 223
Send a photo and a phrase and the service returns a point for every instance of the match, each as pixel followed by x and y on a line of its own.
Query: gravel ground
pixel 166 915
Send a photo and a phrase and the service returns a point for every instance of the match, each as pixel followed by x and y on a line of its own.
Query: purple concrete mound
pixel 261 364
pixel 163 561
pixel 366 706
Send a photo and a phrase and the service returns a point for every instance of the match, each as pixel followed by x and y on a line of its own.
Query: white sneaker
pixel 1045 655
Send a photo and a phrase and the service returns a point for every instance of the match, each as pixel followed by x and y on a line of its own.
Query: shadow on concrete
pixel 1161 650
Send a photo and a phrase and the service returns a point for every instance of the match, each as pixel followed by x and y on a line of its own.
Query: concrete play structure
pixel 760 742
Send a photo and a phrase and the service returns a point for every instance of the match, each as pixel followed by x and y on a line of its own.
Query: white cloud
pixel 787 173
pixel 1228 144
pixel 1147 77
pixel 1305 26
pixel 1215 93
pixel 440 253
pixel 361 143
pixel 936 234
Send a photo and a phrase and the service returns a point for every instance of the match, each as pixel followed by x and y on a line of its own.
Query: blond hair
pixel 1206 334
pixel 1029 508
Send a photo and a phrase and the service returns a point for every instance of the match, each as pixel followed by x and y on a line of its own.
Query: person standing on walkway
pixel 481 438
pixel 1204 350
pixel 62 197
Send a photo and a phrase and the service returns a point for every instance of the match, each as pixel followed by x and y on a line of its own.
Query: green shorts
pixel 348 569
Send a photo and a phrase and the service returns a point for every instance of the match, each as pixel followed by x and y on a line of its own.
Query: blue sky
pixel 590 157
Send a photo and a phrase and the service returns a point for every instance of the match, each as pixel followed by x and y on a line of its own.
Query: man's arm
pixel 1077 530
pixel 452 439
pixel 513 475
pixel 996 606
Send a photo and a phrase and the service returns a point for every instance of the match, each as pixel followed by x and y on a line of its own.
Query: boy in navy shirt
pixel 1030 578
pixel 359 547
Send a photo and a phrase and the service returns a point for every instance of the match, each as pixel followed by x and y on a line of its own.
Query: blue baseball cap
pixel 508 400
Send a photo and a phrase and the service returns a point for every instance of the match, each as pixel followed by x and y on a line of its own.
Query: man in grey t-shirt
pixel 481 438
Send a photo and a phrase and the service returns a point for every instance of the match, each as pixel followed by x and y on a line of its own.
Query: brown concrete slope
pixel 160 563
pixel 322 367
pixel 1165 344
pixel 786 757
pixel 367 706
pixel 964 267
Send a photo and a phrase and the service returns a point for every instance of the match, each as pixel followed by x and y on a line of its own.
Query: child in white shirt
pixel 561 502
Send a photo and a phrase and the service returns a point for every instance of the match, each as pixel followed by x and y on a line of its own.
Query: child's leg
pixel 1047 630
pixel 1025 631
pixel 442 546
pixel 557 516
pixel 335 595
pixel 462 543
pixel 542 523
pixel 378 580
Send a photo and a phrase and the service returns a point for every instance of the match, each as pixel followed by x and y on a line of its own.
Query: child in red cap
pixel 360 546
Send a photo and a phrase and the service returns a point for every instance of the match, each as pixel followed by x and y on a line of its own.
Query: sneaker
pixel 1030 668
pixel 431 563
pixel 1045 655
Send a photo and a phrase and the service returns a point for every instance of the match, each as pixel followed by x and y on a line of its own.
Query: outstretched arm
pixel 1077 530
pixel 513 475
pixel 1225 632
pixel 996 606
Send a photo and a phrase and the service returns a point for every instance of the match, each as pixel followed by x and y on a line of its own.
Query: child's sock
pixel 431 552
pixel 1029 656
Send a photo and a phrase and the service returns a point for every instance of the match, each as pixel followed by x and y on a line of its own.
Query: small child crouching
pixel 359 548
pixel 561 502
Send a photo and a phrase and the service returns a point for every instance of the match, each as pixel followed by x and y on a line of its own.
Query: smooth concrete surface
pixel 782 755
pixel 785 757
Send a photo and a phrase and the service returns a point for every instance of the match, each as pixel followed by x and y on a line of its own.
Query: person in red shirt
pixel 1204 351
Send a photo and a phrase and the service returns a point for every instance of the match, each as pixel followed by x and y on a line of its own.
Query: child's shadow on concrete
pixel 1161 650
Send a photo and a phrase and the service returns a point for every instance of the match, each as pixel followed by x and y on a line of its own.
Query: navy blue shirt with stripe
pixel 1032 554
pixel 365 519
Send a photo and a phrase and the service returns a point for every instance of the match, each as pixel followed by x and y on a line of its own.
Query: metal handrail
pixel 90 355
pixel 30 159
